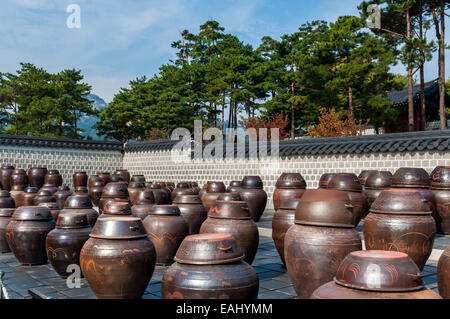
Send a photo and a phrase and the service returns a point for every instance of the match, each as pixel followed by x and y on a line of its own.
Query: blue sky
pixel 120 40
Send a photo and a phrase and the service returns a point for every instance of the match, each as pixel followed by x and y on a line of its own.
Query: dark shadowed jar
pixel 253 194
pixel 80 179
pixel 36 176
pixel 49 187
pixel 192 210
pixel 81 203
pixel 5 218
pixel 53 177
pixel 118 259
pixel 92 179
pixel 282 220
pixel 161 197
pixel 440 186
pixel 400 220
pixel 105 176
pixel 145 201
pixel 28 196
pixel 375 184
pixel 64 243
pixel 376 274
pixel 210 266
pixel 18 183
pixel 53 208
pixel 95 191
pixel 166 229
pixel 133 190
pixel 138 179
pixel 325 179
pixel 6 201
pixel 182 189
pixel 213 191
pixel 44 196
pixel 5 175
pixel 124 174
pixel 26 234
pixel 443 275
pixel 113 192
pixel 350 184
pixel 116 209
pixel 288 186
pixel 235 186
pixel 363 176
pixel 62 194
pixel 323 235
pixel 234 218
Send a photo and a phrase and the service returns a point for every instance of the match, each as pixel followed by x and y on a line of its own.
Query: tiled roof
pixel 399 97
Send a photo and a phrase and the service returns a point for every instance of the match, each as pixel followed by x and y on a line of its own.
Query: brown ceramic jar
pixel 81 190
pixel 253 194
pixel 61 195
pixel 26 234
pixel 118 259
pixel 81 203
pixel 53 208
pixel 27 198
pixel 182 189
pixel 213 191
pixel 80 179
pixel 106 177
pixel 210 266
pixel 5 218
pixel 44 196
pixel 323 235
pixel 116 209
pixel 64 243
pixel 203 190
pixel 6 201
pixel 160 195
pixel 234 218
pixel 5 176
pixel 124 174
pixel 117 178
pixel 138 179
pixel 53 177
pixel 440 186
pixel 443 276
pixel 133 190
pixel 288 186
pixel 400 220
pixel 36 176
pixel 145 201
pixel 92 179
pixel 166 229
pixel 113 192
pixel 192 210
pixel 95 191
pixel 18 183
pixel 282 220
pixel 364 175
pixel 325 179
pixel 235 186
pixel 49 187
pixel 376 274
pixel 375 184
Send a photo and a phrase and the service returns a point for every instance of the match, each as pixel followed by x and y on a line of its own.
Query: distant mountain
pixel 86 122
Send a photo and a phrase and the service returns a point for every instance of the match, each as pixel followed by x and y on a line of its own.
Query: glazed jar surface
pixel 80 179
pixel 5 175
pixel 192 210
pixel 36 176
pixel 53 177
pixel 5 218
pixel 288 186
pixel 443 276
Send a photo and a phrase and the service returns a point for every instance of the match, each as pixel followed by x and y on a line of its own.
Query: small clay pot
pixel 192 210
pixel 5 218
pixel 53 177
pixel 18 183
pixel 253 194
pixel 95 191
pixel 81 203
pixel 36 176
pixel 49 187
pixel 61 195
pixel 27 198
pixel 145 201
pixel 133 190
pixel 182 189
pixel 124 174
pixel 44 196
pixel 288 186
pixel 80 179
pixel 234 187
pixel 5 175
pixel 213 191
pixel 161 196
pixel 375 184
pixel 113 191
pixel 106 177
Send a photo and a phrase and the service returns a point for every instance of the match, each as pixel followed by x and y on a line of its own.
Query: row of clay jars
pixel 253 194
pixel 118 259
pixel 192 210
pixel 233 217
pixel 440 186
pixel 401 220
pixel 288 186
pixel 210 266
pixel 323 235
pixel 64 243
pixel 443 275
pixel 376 274
pixel 5 174
pixel 26 234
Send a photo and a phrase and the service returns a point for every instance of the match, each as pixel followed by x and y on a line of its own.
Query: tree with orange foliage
pixel 277 120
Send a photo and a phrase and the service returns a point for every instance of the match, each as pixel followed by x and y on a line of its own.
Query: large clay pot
pixel 253 194
pixel 350 184
pixel 288 186
pixel 376 275
pixel 443 276
pixel 53 208
pixel 95 191
pixel 44 196
pixel 5 175
pixel 61 195
pixel 81 203
pixel 5 218
pixel 166 229
pixel 49 187
pixel 113 191
pixel 282 220
pixel 210 266
pixel 138 179
pixel 440 186
pixel 18 183
pixel 213 191
pixel 28 196
pixel 192 210
pixel 375 184
pixel 182 189
pixel 79 179
pixel 325 179
pixel 133 190
pixel 106 177
pixel 364 175
pixel 323 235
pixel 26 234
pixel 400 220
pixel 36 176
pixel 64 243
pixel 124 174
pixel 234 218
pixel 118 259
pixel 53 177
pixel 160 195
pixel 6 201
pixel 235 186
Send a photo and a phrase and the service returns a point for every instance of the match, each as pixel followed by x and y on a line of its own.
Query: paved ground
pixel 274 281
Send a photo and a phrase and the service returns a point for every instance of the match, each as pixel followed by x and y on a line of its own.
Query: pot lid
pixel 364 174
pixel 117 208
pixel 325 207
pixel 32 190
pixel 325 179
pixel 411 177
pixel 235 183
pixel 230 197
pixel 215 187
pixel 229 210
pixel 379 270
pixel 209 249
pixel 167 210
pixel 345 182
pixel 379 180
pixel 118 228
pixel 289 204
pixel 50 205
pixel 252 182
pixel 291 180
pixel 440 177
pixel 71 220
pixel 115 190
pixel 78 201
pixel 401 201
pixel 6 212
pixel 188 199
pixel 32 213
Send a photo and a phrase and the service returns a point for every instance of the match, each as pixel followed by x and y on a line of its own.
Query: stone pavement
pixel 274 281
